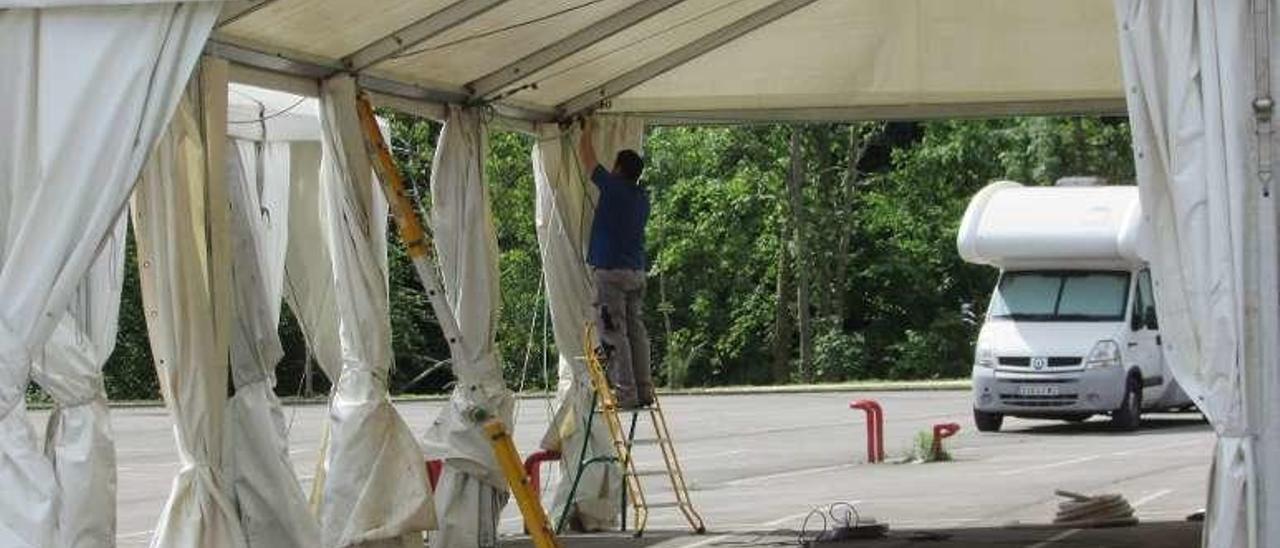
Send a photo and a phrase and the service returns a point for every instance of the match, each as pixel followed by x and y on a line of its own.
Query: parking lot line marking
pixel 1037 467
pixel 1055 538
pixel 766 477
pixel 1151 497
pixel 1163 447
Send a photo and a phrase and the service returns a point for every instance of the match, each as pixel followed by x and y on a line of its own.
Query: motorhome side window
pixel 1061 296
pixel 1144 304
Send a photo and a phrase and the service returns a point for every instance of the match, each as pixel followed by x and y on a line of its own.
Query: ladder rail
pixel 624 442
pixel 674 469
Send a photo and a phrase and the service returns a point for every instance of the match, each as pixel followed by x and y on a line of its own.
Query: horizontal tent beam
pixel 684 54
pixel 232 11
pixel 259 66
pixel 900 112
pixel 417 32
pixel 608 26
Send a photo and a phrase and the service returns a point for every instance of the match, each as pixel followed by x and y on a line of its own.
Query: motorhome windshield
pixel 1073 296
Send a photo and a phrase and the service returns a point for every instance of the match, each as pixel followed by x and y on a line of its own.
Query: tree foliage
pixel 879 208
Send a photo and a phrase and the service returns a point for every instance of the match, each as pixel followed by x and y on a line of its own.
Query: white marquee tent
pixel 109 79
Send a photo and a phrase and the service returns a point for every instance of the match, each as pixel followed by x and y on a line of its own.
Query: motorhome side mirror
pixel 1149 318
pixel 1136 321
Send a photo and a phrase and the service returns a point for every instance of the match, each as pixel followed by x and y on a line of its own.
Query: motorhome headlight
pixel 986 358
pixel 1104 354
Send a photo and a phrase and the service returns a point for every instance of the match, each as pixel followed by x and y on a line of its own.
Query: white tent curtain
pixel 565 206
pixel 376 491
pixel 55 209
pixel 472 489
pixel 1204 178
pixel 78 440
pixel 259 475
pixel 309 280
pixel 180 219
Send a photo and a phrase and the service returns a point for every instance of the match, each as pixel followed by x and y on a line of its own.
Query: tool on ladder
pixel 418 247
pixel 604 404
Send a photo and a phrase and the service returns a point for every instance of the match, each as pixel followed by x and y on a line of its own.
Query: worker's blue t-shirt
pixel 617 233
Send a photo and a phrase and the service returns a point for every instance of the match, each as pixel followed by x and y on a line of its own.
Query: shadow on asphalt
pixel 1172 534
pixel 1171 423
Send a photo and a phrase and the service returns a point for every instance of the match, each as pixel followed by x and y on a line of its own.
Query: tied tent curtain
pixel 375 491
pixel 259 475
pixel 78 440
pixel 565 207
pixel 88 91
pixel 472 489
pixel 180 219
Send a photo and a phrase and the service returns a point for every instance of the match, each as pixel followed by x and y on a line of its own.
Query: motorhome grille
pixel 1053 361
pixel 1025 400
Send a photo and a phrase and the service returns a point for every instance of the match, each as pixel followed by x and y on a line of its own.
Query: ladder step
pixel 642 411
pixel 647 473
pixel 661 505
pixel 646 441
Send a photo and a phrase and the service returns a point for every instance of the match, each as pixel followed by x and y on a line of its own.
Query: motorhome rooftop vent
pixel 1081 181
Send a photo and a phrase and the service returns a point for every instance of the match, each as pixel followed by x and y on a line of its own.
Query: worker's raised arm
pixel 587 152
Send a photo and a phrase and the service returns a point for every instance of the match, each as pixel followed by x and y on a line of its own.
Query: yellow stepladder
pixel 604 403
pixel 418 246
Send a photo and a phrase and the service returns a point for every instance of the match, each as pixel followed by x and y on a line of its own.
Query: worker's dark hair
pixel 629 164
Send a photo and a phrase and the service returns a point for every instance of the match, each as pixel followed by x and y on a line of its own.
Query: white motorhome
pixel 1071 330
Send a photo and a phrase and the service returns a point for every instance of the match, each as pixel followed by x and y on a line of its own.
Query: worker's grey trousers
pixel 620 322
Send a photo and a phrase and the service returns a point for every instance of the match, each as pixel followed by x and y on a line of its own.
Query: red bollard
pixel 434 468
pixel 875 428
pixel 942 431
pixel 533 467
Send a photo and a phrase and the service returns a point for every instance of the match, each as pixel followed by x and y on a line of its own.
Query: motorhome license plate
pixel 1038 390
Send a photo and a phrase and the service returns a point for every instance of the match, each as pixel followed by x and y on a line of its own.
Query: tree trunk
pixel 824 208
pixel 794 180
pixel 782 328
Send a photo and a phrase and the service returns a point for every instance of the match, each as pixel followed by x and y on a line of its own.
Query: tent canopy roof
pixel 697 60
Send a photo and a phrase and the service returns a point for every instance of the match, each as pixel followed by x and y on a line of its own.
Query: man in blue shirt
pixel 617 258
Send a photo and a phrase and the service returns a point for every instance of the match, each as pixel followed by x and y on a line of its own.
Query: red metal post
pixel 434 467
pixel 875 428
pixel 533 467
pixel 942 431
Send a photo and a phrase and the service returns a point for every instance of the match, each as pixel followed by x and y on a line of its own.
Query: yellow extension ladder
pixel 604 404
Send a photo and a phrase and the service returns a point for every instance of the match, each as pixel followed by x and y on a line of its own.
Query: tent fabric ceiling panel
pixel 895 52
pixel 859 57
pixel 643 42
pixel 329 29
pixel 456 57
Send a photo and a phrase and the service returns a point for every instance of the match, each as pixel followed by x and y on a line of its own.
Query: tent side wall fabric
pixel 376 491
pixel 55 101
pixel 1203 155
pixel 472 489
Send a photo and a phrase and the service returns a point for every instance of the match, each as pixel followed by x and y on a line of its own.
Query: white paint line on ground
pixel 1164 447
pixel 1151 497
pixel 1055 538
pixel 1038 467
pixel 750 480
pixel 716 455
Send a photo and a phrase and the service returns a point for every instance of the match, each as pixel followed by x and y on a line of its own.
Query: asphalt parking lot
pixel 757 464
